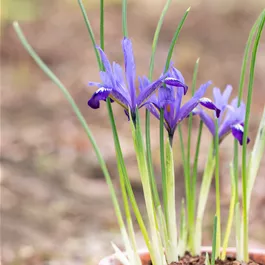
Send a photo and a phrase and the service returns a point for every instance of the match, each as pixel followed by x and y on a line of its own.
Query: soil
pixel 188 259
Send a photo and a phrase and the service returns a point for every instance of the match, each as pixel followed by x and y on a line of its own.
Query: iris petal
pixel 129 67
pixel 206 102
pixel 175 82
pixel 101 94
pixel 238 133
pixel 148 91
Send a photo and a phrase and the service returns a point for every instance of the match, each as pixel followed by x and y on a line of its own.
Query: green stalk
pixel 126 180
pixel 83 122
pixel 102 24
pixel 256 156
pixel 203 196
pixel 163 168
pixel 191 204
pixel 90 32
pixel 240 95
pixel 159 258
pixel 214 241
pixel 246 127
pixel 175 38
pixel 147 113
pixel 217 189
pixel 124 18
pixel 194 184
pixel 231 213
pixel 239 245
pixel 172 251
pixel 183 232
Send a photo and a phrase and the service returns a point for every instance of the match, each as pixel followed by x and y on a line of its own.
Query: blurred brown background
pixel 55 203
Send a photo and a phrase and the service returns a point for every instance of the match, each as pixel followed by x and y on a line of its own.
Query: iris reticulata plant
pixel 166 239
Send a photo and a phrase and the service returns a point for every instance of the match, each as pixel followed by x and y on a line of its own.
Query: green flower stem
pixel 124 18
pixel 125 178
pixel 192 198
pixel 155 39
pixel 172 251
pixel 159 258
pixel 194 184
pixel 102 25
pixel 203 196
pixel 147 113
pixel 163 168
pixel 239 234
pixel 217 189
pixel 83 122
pixel 183 233
pixel 240 95
pixel 255 158
pixel 231 213
pixel 246 127
pixel 214 241
pixel 91 34
pixel 175 38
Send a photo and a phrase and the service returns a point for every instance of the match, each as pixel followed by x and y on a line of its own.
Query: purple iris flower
pixel 169 98
pixel 113 84
pixel 231 117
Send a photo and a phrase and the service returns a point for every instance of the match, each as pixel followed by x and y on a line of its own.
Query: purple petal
pixel 148 91
pixel 187 108
pixel 177 74
pixel 129 67
pixel 105 60
pixel 238 133
pixel 227 93
pixel 120 99
pixel 208 121
pixel 206 102
pixel 165 96
pixel 153 110
pixel 101 94
pixel 174 82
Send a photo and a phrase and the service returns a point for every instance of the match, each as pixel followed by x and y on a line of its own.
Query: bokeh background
pixel 55 205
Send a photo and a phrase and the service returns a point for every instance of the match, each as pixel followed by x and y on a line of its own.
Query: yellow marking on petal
pixel 119 102
pixel 168 108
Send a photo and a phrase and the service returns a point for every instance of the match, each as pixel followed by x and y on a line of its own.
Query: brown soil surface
pixel 200 260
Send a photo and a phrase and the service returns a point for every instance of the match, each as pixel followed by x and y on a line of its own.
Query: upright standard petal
pixel 187 108
pixel 129 68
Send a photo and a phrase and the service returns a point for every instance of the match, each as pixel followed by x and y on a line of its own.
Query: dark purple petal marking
pixel 101 94
pixel 207 103
pixel 238 133
pixel 129 68
pixel 174 82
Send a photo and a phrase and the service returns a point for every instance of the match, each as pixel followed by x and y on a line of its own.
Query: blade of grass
pixel 191 203
pixel 214 241
pixel 124 18
pixel 175 38
pixel 147 113
pixel 231 213
pixel 83 122
pixel 217 189
pixel 246 128
pixel 91 34
pixel 240 95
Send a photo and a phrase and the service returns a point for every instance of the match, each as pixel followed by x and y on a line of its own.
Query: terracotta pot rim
pixel 231 250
